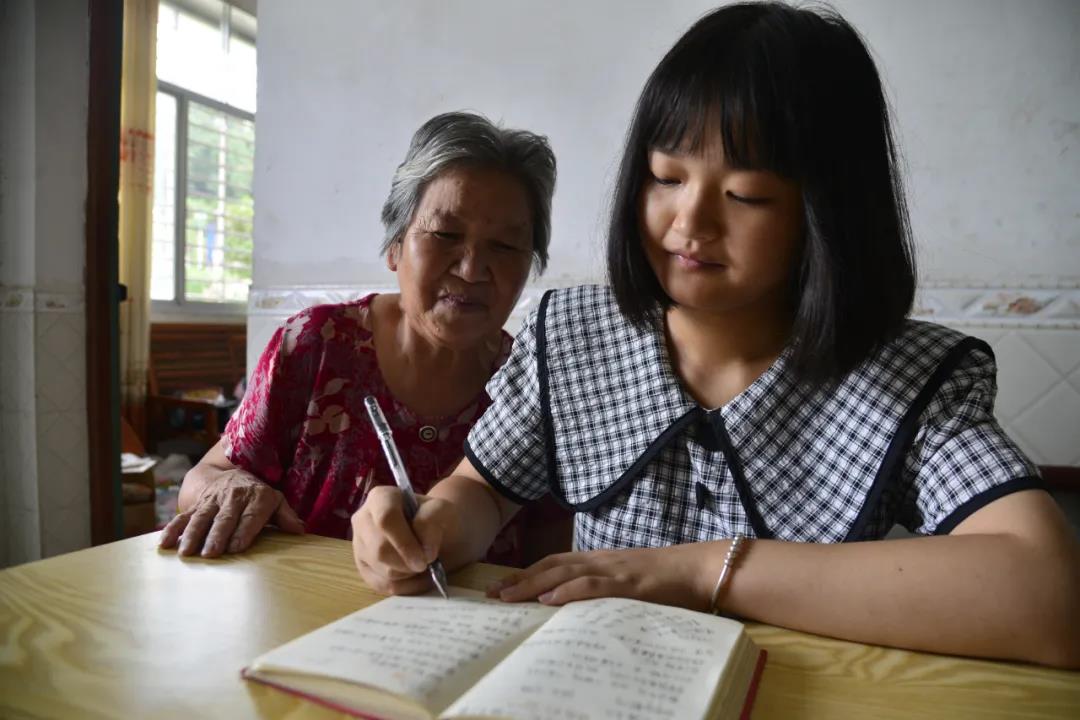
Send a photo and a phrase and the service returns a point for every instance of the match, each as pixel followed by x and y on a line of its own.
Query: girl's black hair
pixel 795 92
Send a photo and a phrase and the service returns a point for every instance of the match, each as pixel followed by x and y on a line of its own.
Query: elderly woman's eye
pixel 445 234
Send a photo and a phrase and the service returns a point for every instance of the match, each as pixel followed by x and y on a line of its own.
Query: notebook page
pixel 423 647
pixel 609 658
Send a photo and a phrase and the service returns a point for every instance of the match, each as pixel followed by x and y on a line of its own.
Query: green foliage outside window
pixel 220 206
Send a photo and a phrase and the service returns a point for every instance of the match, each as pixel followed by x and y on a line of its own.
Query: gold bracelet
pixel 726 571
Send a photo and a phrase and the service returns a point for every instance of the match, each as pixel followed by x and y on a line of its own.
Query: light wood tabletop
pixel 127 631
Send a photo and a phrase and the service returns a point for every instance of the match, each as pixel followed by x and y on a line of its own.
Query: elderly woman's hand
pixel 228 515
pixel 391 554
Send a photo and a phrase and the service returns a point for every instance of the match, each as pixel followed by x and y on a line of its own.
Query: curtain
pixel 137 104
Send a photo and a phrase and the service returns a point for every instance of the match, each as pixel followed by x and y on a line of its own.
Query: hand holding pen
pixel 401 477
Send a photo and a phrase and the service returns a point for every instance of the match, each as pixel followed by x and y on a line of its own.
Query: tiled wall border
pixel 59 302
pixel 281 302
pixel 25 299
pixel 269 307
pixel 1036 306
pixel 1044 306
pixel 16 299
pixel 286 300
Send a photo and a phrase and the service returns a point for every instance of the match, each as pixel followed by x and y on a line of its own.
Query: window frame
pixel 180 305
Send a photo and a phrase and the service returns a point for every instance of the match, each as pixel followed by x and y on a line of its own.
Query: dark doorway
pixel 102 262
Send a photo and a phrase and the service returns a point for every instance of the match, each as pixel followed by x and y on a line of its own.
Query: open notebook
pixel 472 657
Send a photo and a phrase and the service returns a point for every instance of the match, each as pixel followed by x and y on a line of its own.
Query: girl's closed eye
pixel 661 179
pixel 663 169
pixel 749 198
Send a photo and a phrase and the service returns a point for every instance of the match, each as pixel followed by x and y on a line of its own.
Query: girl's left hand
pixel 677 575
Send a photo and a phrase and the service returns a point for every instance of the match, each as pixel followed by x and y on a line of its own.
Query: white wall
pixel 987 101
pixel 341 91
pixel 16 158
pixel 986 93
pixel 61 74
pixel 44 76
pixel 987 96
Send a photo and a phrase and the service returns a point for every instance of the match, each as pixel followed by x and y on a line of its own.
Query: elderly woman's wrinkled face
pixel 466 255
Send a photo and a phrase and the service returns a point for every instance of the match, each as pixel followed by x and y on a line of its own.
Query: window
pixel 204 158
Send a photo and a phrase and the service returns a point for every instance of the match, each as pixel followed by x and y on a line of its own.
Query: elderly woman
pixel 467 218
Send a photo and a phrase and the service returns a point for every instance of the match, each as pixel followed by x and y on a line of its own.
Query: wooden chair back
pixel 194 356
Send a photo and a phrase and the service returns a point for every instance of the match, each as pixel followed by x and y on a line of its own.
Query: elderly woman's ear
pixel 393 254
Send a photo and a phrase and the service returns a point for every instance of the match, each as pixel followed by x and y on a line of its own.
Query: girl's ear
pixel 392 255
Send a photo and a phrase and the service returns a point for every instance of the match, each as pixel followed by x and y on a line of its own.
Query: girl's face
pixel 466 255
pixel 720 238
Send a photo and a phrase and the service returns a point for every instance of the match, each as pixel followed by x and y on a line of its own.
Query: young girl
pixel 748 400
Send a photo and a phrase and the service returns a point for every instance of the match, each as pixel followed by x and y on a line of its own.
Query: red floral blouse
pixel 302 427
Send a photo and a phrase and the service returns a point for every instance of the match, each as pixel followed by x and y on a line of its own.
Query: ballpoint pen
pixel 401 477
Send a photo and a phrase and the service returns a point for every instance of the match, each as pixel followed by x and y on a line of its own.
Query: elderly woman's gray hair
pixel 460 137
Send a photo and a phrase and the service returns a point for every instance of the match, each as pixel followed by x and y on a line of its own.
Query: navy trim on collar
pixel 631 472
pixel 658 418
pixel 746 497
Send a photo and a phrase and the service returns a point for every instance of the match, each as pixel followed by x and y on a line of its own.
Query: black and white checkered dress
pixel 589 409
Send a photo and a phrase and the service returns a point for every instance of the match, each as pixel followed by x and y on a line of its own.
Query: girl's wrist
pixel 705 571
pixel 732 559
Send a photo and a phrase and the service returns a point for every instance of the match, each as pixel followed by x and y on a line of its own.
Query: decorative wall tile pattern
pixel 1030 377
pixel 20 464
pixel 1039 390
pixel 60 361
pixel 43 434
pixel 13 299
pixel 62 453
pixel 55 302
pixel 16 359
pixel 1045 307
pixel 1035 333
pixel 18 432
pixel 281 302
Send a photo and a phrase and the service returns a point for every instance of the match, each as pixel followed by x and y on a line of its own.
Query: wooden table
pixel 125 630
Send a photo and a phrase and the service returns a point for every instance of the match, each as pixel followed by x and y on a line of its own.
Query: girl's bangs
pixel 688 108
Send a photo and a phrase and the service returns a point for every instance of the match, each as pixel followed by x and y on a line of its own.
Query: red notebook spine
pixel 755 681
pixel 318 700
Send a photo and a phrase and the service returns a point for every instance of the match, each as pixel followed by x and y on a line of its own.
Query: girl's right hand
pixel 391 554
